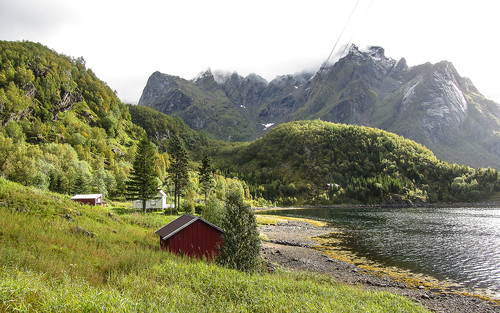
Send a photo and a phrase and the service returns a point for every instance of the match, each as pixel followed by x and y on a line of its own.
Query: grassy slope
pixel 49 264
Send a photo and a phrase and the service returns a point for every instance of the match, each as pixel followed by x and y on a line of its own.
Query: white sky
pixel 124 41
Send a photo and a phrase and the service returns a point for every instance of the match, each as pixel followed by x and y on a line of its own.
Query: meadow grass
pixel 58 255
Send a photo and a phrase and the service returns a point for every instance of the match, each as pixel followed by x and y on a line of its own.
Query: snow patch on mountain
pixel 267 126
pixel 410 91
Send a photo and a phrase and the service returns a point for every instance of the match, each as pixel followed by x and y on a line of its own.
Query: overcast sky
pixel 124 41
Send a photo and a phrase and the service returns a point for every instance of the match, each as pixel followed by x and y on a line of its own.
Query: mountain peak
pixel 204 74
pixel 222 78
pixel 256 78
pixel 353 49
pixel 374 52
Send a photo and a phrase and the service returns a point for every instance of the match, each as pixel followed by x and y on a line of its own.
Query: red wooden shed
pixel 192 236
pixel 92 199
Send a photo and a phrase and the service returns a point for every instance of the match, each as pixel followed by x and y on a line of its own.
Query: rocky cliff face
pixel 244 92
pixel 202 103
pixel 437 93
pixel 430 103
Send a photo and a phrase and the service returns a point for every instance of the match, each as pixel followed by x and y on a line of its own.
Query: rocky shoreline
pixel 289 244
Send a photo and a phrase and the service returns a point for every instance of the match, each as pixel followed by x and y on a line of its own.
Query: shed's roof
pixel 179 224
pixel 90 196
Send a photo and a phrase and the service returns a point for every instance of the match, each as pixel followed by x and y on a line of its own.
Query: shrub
pixel 213 211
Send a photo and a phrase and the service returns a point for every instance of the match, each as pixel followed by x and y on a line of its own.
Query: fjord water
pixel 461 244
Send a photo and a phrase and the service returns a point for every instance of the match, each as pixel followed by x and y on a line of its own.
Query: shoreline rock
pixel 290 245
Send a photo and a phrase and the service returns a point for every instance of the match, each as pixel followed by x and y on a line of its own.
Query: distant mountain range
pixel 429 103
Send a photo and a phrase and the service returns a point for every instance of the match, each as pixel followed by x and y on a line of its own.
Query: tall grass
pixel 57 255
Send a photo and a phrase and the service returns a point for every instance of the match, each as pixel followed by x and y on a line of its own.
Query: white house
pixel 157 203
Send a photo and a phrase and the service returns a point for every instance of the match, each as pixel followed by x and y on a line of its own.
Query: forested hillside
pixel 317 162
pixel 66 131
pixel 63 129
pixel 160 127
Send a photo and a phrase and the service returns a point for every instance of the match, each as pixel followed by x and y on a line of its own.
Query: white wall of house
pixel 158 203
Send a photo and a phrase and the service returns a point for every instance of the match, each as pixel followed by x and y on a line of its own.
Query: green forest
pixel 320 163
pixel 64 130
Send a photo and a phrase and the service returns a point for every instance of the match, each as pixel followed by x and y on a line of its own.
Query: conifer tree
pixel 58 182
pixel 241 238
pixel 206 176
pixel 142 184
pixel 178 171
pixel 80 184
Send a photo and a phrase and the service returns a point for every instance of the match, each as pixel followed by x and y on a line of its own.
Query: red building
pixel 93 199
pixel 192 236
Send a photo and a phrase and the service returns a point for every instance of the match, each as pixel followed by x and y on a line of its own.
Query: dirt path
pixel 289 244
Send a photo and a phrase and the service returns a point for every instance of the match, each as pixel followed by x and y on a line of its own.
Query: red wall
pixel 197 240
pixel 86 201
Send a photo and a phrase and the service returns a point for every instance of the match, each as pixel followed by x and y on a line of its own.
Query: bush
pixel 213 211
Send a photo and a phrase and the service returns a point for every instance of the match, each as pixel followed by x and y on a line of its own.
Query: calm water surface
pixel 461 244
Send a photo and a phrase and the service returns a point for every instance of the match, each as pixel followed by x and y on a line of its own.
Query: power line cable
pixel 345 48
pixel 356 29
pixel 341 33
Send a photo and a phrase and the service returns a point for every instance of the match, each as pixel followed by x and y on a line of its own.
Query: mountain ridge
pixel 429 103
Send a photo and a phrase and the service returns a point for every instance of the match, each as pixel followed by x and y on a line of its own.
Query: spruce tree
pixel 241 238
pixel 206 176
pixel 142 184
pixel 80 184
pixel 178 171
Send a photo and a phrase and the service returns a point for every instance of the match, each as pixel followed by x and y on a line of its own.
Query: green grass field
pixel 60 256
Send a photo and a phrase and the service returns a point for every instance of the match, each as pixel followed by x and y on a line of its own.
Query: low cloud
pixel 30 20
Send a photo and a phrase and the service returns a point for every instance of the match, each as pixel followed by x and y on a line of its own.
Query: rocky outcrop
pixel 437 93
pixel 245 92
pixel 158 87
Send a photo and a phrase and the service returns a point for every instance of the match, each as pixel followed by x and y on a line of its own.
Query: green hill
pixel 65 131
pixel 39 86
pixel 63 128
pixel 296 162
pixel 160 127
pixel 58 255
